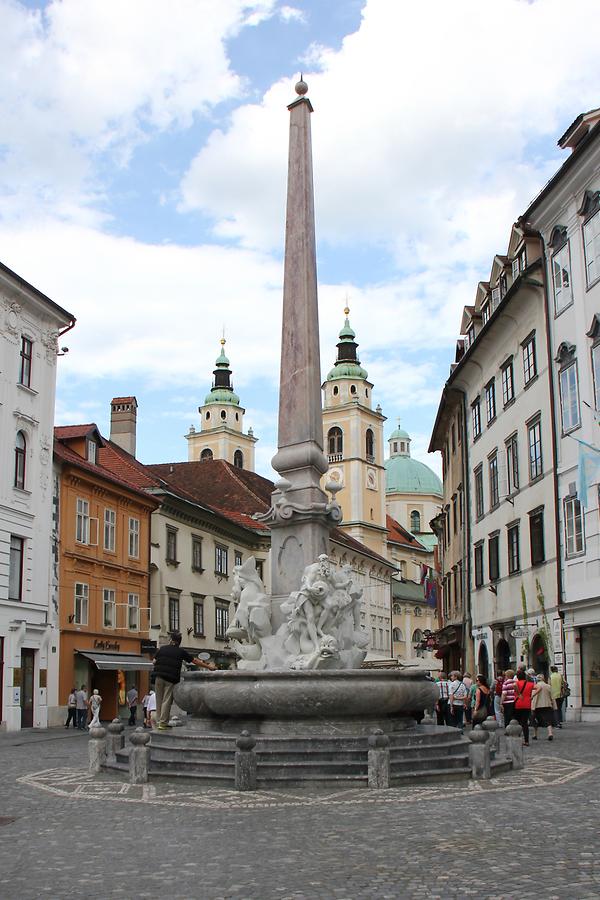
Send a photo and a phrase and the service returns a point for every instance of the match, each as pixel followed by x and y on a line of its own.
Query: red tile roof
pixel 69 432
pixel 397 534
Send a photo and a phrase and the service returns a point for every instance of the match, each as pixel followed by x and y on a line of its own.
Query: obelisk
pixel 301 516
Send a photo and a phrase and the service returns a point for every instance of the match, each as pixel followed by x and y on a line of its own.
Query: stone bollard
pixel 115 739
pixel 378 760
pixel 514 744
pixel 245 763
pixel 139 757
pixel 479 753
pixel 97 749
pixel 491 726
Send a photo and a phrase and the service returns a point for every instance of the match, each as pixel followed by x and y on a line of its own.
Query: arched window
pixel 335 441
pixel 238 459
pixel 336 390
pixel 397 609
pixel 415 521
pixel 207 416
pixel 352 388
pixel 20 454
pixel 397 635
pixel 206 454
pixel 223 414
pixel 417 636
pixel 370 444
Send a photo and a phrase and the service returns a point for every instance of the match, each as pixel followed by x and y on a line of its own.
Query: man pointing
pixel 167 669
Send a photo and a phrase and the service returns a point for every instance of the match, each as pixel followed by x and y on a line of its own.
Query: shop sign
pixel 148 646
pixel 557 635
pixel 521 632
pixel 106 645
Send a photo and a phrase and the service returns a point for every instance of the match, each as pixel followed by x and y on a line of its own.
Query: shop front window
pixel 590 664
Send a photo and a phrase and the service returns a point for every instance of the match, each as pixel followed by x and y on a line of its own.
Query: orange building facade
pixel 103 557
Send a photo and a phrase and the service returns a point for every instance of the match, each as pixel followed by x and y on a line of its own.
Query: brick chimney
pixel 123 419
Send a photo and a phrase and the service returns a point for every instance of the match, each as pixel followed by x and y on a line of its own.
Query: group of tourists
pixel 523 695
pixel 79 708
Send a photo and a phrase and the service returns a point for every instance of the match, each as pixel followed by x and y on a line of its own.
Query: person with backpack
pixel 482 702
pixel 456 703
pixel 523 691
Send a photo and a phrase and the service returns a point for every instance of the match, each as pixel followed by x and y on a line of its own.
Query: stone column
pixel 514 743
pixel 301 516
pixel 378 760
pixel 115 739
pixel 479 753
pixel 245 763
pixel 97 749
pixel 139 757
pixel 491 726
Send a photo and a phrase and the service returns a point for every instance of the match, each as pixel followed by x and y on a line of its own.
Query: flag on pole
pixel 588 470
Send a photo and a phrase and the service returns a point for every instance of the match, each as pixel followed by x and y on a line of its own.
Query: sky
pixel 143 155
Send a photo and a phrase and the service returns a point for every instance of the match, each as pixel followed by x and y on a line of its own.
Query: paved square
pixel 68 834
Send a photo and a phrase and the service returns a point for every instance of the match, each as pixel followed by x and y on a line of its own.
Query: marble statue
pixel 321 627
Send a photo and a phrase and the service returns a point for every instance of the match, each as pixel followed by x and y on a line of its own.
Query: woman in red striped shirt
pixel 508 696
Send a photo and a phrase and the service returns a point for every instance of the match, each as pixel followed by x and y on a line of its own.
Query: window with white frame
pixel 476 417
pixel 25 361
pixel 134 538
pixel 514 561
pixel 171 537
pixel 198 616
pixel 508 383
pixel 82 522
pixel 221 560
pixel 490 400
pixel 20 460
pixel 133 612
pixel 512 464
pixel 479 503
pixel 237 557
pixel 173 613
pixel 529 359
pixel 561 279
pixel 493 475
pixel 495 298
pixel 109 606
pixel 534 436
pixel 110 529
pixel 591 243
pixel 569 397
pixel 196 553
pixel 92 446
pixel 494 557
pixel 80 608
pixel 574 527
pixel 221 619
pixel 15 567
pixel 485 312
pixel 478 567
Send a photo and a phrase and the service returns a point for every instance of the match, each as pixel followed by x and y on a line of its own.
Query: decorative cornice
pixel 566 353
pixel 558 237
pixel 590 204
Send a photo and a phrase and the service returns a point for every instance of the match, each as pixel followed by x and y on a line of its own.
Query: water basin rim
pixel 317 675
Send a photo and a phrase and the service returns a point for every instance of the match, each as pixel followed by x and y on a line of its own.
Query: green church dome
pixel 222 390
pixel 222 395
pixel 404 475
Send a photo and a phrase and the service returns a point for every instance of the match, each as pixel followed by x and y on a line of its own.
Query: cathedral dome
pixel 404 475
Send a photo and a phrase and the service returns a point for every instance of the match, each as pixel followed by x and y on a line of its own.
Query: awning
pixel 128 662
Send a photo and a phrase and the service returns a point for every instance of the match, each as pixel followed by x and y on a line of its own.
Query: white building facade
pixel 567 214
pixel 31 323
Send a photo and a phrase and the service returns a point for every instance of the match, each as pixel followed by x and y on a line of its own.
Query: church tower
pixel 221 434
pixel 353 436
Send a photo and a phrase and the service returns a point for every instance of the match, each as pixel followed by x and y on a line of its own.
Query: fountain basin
pixel 305 697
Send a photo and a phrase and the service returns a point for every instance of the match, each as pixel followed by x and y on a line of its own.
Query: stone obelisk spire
pixel 301 516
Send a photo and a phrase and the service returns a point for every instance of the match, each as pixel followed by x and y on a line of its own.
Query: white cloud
pixel 291 14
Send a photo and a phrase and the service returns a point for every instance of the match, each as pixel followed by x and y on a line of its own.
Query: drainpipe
pixel 469 657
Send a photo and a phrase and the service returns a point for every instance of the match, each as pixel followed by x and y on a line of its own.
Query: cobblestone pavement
pixel 64 834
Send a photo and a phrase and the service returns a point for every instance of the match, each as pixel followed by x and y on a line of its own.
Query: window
pixel 238 459
pixel 536 536
pixel 508 383
pixel 493 475
pixel 494 557
pixel 479 507
pixel 490 400
pixel 370 445
pixel 397 635
pixel 91 452
pixel 206 454
pixel 133 611
pixel 502 281
pixel 82 522
pixel 82 593
pixel 221 563
pixel 110 526
pixel 512 465
pixel 415 521
pixel 171 545
pixel 199 617
pixel 514 563
pixel 196 553
pixel 478 565
pixel 173 613
pixel 495 298
pixel 455 513
pixel 221 619
pixel 485 312
pixel 134 538
pixel 534 434
pixel 596 373
pixel 15 568
pixel 335 443
pixel 26 357
pixel 109 607
pixel 569 397
pixel 561 279
pixel 529 360
pixel 574 527
pixel 237 558
pixel 476 415
pixel 470 336
pixel 591 244
pixel 453 442
pixel 20 459
pixel 259 568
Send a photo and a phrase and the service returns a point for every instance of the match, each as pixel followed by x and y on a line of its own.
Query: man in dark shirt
pixel 167 671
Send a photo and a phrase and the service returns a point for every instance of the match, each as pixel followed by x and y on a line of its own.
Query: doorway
pixel 539 656
pixel 483 661
pixel 502 655
pixel 27 670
